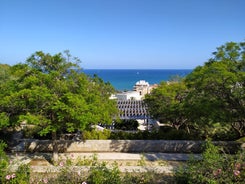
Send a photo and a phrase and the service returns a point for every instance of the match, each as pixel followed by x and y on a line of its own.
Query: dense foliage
pixel 211 99
pixel 217 89
pixel 51 93
pixel 127 124
pixel 216 167
pixel 166 103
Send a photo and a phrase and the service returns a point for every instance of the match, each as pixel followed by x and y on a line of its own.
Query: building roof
pixel 132 109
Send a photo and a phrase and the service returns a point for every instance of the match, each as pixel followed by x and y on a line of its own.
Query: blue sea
pixel 125 79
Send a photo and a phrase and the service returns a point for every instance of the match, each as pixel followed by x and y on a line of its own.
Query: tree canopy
pixel 165 103
pixel 52 92
pixel 210 94
pixel 217 89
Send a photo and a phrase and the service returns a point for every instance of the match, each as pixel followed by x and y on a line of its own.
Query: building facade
pixel 131 105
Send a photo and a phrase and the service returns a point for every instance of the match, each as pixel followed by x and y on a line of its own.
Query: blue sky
pixel 147 34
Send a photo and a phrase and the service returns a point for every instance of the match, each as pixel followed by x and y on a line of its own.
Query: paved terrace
pixel 127 162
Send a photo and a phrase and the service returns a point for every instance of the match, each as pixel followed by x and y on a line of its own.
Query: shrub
pixel 166 133
pixel 96 134
pixel 3 160
pixel 20 176
pixel 215 167
pixel 145 178
pixel 100 174
pixel 7 175
pixel 129 124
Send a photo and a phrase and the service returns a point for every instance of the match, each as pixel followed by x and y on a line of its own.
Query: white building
pixel 140 89
pixel 131 105
pixel 128 95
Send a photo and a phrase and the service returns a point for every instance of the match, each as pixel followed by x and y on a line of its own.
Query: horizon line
pixel 137 68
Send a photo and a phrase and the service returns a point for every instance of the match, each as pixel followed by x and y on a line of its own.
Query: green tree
pixel 4 72
pixel 4 77
pixel 165 103
pixel 49 91
pixel 216 90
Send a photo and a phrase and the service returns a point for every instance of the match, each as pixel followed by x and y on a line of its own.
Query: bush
pixel 129 124
pixel 146 178
pixel 20 176
pixel 215 167
pixel 100 174
pixel 217 132
pixel 96 134
pixel 3 161
pixel 166 133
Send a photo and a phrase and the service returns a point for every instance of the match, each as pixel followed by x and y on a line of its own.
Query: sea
pixel 125 79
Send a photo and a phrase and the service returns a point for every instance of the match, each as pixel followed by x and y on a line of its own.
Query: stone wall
pixel 131 146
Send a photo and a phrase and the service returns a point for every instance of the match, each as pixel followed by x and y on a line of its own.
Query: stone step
pixel 127 162
pixel 133 156
pixel 55 169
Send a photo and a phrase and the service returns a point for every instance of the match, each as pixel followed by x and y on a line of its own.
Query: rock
pixel 39 162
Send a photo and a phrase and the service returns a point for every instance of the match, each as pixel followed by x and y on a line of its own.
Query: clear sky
pixel 146 34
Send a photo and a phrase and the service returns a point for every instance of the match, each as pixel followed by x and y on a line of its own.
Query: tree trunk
pixel 239 126
pixel 55 148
